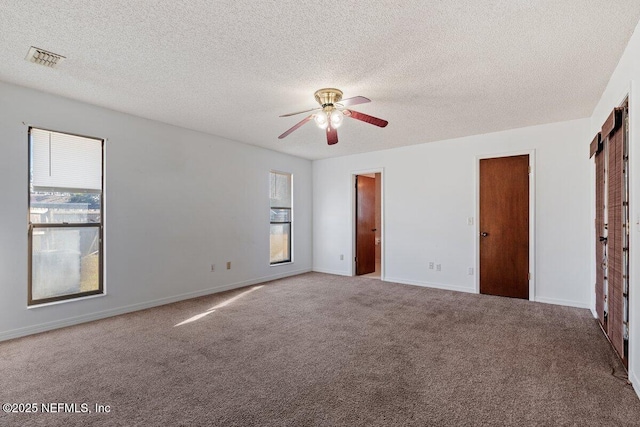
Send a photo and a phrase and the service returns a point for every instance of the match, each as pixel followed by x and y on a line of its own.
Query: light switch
pixel 470 220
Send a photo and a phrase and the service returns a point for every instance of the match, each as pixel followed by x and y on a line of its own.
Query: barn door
pixel 610 148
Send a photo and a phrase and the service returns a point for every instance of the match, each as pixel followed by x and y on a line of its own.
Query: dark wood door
pixel 504 226
pixel 365 225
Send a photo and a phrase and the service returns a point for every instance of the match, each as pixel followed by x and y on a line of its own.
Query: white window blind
pixel 65 161
pixel 280 190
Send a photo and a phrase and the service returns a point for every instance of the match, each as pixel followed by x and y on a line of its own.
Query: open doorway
pixel 368 225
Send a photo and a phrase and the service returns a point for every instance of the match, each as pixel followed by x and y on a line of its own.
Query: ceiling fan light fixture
pixel 336 117
pixel 321 119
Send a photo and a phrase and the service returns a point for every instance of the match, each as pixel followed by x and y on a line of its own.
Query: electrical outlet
pixel 228 265
pixel 213 268
pixel 439 267
pixel 470 271
pixel 430 266
pixel 341 257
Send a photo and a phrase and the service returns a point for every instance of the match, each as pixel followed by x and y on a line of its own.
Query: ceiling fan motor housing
pixel 328 96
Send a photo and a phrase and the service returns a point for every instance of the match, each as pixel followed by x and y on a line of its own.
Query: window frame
pixel 290 222
pixel 31 302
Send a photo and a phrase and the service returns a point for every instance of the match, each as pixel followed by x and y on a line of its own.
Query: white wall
pixel 429 191
pixel 176 201
pixel 626 81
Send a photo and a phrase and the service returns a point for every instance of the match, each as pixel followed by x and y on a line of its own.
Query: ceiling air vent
pixel 44 57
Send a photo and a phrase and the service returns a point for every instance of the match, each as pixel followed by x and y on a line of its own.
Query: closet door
pixel 610 148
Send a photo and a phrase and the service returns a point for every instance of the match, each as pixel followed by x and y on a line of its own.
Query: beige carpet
pixel 325 350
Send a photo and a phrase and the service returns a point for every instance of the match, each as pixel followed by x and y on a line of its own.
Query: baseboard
pixel 635 382
pixel 430 285
pixel 337 273
pixel 70 321
pixel 565 302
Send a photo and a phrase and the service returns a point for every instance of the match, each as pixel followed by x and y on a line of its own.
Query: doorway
pixel 368 225
pixel 504 226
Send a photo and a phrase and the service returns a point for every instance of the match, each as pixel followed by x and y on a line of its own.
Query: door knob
pixel 484 234
pixel 374 229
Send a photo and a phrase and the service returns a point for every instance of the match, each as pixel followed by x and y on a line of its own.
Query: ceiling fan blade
pixel 332 136
pixel 300 112
pixel 296 126
pixel 354 101
pixel 365 118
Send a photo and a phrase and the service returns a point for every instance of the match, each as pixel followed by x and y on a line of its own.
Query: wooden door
pixel 504 226
pixel 365 225
pixel 610 147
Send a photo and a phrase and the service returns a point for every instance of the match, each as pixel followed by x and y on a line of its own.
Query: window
pixel 65 216
pixel 280 217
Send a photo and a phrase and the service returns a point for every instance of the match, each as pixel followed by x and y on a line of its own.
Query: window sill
pixel 281 263
pixel 64 301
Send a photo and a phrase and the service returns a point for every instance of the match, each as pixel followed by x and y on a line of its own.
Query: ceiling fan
pixel 331 113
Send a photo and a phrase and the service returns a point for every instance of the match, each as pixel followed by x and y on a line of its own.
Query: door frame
pixel 532 219
pixel 355 173
pixel 633 92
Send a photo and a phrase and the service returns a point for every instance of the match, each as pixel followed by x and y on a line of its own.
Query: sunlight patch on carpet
pixel 222 304
pixel 194 318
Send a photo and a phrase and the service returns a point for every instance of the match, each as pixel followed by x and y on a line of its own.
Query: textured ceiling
pixel 433 69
